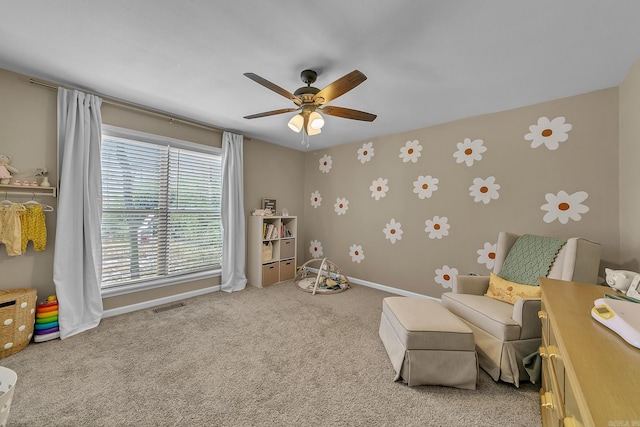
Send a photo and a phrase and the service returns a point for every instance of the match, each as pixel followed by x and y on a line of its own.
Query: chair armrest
pixel 525 313
pixel 474 285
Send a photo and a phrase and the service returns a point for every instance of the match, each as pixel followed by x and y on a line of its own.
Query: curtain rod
pixel 130 106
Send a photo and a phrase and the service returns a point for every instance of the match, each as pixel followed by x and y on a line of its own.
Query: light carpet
pixel 260 357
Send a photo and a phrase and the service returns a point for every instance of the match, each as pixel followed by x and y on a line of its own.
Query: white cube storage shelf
pixel 271 249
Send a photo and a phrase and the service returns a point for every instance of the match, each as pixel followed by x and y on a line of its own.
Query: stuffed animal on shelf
pixel 619 279
pixel 5 169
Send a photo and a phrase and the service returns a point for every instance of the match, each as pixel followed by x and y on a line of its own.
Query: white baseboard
pixel 384 288
pixel 159 301
pixel 166 300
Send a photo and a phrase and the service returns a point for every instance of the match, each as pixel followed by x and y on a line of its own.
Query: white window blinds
pixel 161 213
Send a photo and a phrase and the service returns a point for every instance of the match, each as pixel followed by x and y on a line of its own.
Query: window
pixel 161 211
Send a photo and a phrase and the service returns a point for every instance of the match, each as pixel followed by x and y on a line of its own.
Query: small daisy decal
pixel 379 188
pixel 469 151
pixel 563 206
pixel 341 206
pixel 487 255
pixel 446 276
pixel 425 186
pixel 325 163
pixel 315 248
pixel 437 227
pixel 356 253
pixel 316 199
pixel 366 152
pixel 484 190
pixel 411 151
pixel 548 132
pixel 393 231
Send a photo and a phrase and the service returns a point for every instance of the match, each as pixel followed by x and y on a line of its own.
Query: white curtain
pixel 233 241
pixel 77 260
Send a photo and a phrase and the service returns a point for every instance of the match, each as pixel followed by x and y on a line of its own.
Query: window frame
pixel 155 283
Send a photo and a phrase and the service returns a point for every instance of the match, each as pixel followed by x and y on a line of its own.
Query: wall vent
pixel 163 308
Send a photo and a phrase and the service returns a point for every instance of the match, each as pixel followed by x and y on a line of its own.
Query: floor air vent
pixel 164 308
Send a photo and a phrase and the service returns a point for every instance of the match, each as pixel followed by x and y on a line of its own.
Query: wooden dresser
pixel 590 376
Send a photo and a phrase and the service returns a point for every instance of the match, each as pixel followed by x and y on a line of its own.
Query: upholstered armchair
pixel 506 333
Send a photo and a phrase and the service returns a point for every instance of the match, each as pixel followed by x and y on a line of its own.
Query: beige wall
pixel 630 170
pixel 28 134
pixel 587 161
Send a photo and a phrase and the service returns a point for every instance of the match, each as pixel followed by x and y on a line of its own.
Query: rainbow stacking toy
pixel 47 326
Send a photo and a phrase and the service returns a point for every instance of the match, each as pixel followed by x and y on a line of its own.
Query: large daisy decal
pixel 366 152
pixel 437 227
pixel 411 151
pixel 325 163
pixel 379 188
pixel 393 231
pixel 356 253
pixel 316 199
pixel 315 248
pixel 564 206
pixel 484 190
pixel 548 132
pixel 341 206
pixel 446 276
pixel 487 255
pixel 469 151
pixel 424 186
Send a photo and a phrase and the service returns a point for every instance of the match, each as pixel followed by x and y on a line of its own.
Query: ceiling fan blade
pixel 341 86
pixel 274 87
pixel 271 113
pixel 348 113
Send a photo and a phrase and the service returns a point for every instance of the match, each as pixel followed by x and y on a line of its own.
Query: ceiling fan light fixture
pixel 315 120
pixel 311 131
pixel 296 123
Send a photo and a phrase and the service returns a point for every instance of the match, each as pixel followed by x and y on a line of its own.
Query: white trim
pixel 152 303
pixel 384 288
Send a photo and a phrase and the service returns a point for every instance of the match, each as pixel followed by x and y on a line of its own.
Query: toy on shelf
pixel 47 326
pixel 329 279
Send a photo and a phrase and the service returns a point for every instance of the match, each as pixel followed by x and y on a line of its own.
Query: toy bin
pixel 17 316
pixel 8 380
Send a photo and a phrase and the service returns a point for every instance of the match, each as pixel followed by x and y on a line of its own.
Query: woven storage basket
pixel 17 316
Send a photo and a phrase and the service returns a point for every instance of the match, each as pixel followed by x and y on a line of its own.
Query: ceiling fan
pixel 310 100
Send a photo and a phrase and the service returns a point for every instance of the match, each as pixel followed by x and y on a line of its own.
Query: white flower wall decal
pixel 325 163
pixel 341 206
pixel 366 152
pixel 411 151
pixel 437 227
pixel 446 276
pixel 425 186
pixel 379 188
pixel 548 132
pixel 316 199
pixel 487 255
pixel 469 151
pixel 484 190
pixel 393 231
pixel 315 248
pixel 356 253
pixel 563 206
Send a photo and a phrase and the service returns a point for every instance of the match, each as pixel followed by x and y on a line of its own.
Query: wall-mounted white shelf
pixel 23 190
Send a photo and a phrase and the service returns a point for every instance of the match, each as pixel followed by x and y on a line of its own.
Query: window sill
pixel 159 283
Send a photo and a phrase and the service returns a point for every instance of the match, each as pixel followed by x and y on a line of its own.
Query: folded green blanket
pixel 530 258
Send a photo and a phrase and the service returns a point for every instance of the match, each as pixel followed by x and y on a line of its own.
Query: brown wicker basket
pixel 17 316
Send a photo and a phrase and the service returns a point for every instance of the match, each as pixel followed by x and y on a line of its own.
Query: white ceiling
pixel 427 62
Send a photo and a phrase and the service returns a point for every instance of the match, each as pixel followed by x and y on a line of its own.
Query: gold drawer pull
pixel 546 400
pixel 550 352
pixel 542 314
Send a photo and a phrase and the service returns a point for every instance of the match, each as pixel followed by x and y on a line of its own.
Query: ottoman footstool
pixel 427 344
